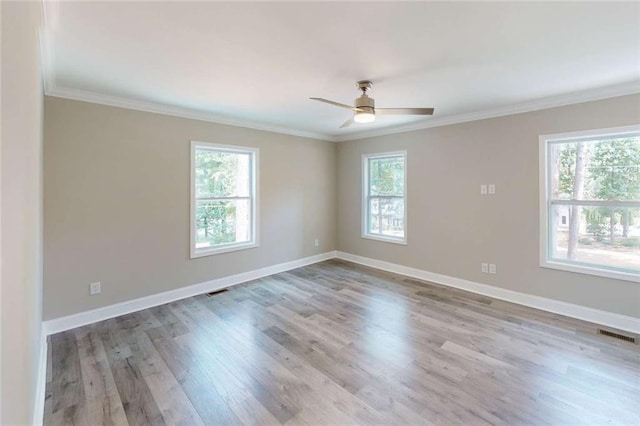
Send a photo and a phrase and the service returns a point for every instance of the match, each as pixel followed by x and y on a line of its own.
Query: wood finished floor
pixel 335 343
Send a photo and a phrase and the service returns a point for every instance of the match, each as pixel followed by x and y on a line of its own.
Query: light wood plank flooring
pixel 335 344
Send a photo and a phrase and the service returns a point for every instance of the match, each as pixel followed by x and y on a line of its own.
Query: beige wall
pixel 116 203
pixel 21 210
pixel 452 228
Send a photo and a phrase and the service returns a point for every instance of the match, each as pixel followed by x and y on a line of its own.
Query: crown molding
pixel 50 13
pixel 535 105
pixel 121 102
pixel 629 88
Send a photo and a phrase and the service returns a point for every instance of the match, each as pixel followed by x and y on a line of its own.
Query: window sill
pixel 195 253
pixel 386 239
pixel 591 270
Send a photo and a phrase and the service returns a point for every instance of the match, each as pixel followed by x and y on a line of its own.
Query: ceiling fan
pixel 364 110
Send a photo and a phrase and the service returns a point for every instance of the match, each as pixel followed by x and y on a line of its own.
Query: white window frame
pixel 366 196
pixel 546 239
pixel 253 196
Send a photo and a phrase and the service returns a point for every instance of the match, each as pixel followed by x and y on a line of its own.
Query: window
pixel 590 202
pixel 384 202
pixel 223 198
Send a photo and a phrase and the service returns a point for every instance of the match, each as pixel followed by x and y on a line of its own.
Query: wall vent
pixel 213 293
pixel 617 335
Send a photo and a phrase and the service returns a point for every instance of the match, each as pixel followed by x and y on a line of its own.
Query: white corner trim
pixel 599 93
pixel 41 382
pixel 610 319
pixel 46 57
pixel 69 322
pixel 50 20
pixel 176 111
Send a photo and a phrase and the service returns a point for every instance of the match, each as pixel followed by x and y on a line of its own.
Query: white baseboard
pixel 41 383
pixel 69 322
pixel 610 319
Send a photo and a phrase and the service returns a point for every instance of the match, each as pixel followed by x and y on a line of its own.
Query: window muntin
pixel 591 206
pixel 223 198
pixel 384 203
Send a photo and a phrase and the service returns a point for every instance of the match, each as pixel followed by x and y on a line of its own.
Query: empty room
pixel 319 213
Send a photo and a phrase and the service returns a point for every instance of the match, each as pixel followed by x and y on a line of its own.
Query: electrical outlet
pixel 483 189
pixel 492 189
pixel 316 243
pixel 94 288
pixel 485 267
pixel 492 268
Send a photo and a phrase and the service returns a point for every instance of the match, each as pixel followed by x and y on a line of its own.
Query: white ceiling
pixel 256 64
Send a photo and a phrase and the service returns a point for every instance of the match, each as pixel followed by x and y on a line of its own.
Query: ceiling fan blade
pixel 347 123
pixel 404 111
pixel 338 104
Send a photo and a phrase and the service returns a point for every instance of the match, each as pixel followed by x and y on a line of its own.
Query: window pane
pixel 222 222
pixel 222 174
pixel 607 169
pixel 600 236
pixel 386 176
pixel 386 216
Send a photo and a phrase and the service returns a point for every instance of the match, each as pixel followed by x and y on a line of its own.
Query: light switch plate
pixel 492 189
pixel 492 268
pixel 483 189
pixel 485 267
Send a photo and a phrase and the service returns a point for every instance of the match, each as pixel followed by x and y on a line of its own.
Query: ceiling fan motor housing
pixel 365 103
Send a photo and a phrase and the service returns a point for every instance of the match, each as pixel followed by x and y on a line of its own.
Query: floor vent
pixel 617 336
pixel 213 293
